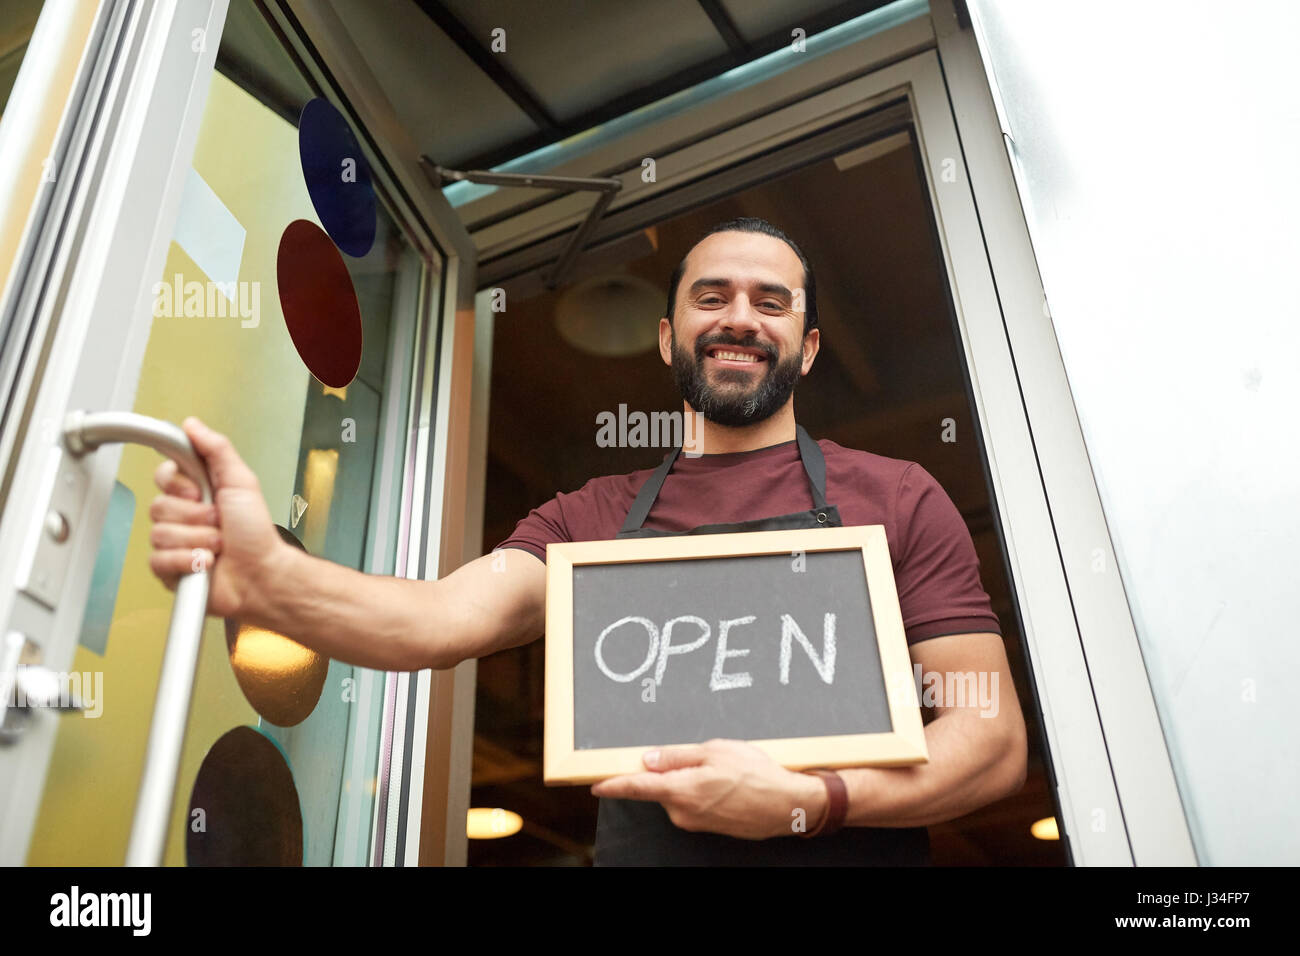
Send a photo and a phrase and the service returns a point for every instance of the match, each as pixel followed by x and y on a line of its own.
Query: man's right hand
pixel 234 538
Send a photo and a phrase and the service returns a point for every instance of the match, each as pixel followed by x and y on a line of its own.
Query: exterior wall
pixel 1152 145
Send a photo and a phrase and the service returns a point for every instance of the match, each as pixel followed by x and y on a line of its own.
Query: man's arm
pixel 732 787
pixel 978 751
pixel 491 603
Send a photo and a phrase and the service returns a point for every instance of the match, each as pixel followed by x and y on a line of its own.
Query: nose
pixel 740 319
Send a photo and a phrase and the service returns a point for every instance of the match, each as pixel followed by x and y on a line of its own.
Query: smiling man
pixel 739 333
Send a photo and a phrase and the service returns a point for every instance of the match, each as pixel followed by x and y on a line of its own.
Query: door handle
pixel 83 432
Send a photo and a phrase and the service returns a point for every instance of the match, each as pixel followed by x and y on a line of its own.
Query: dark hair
pixel 752 224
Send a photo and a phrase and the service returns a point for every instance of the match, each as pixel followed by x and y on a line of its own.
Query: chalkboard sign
pixel 792 640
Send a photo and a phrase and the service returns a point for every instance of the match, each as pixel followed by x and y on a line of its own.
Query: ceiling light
pixel 613 314
pixel 1045 829
pixel 491 823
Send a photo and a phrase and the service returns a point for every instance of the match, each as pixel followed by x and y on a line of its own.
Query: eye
pixel 710 300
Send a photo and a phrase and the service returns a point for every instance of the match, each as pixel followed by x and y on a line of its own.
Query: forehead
pixel 743 257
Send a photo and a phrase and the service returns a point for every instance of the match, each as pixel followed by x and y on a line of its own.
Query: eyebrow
pixel 773 288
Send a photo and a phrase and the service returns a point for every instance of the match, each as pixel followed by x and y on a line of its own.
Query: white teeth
pixel 736 356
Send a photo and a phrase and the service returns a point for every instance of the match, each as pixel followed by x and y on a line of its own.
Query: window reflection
pixel 281 678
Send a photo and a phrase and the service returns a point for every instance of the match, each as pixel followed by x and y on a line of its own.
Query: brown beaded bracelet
pixel 837 804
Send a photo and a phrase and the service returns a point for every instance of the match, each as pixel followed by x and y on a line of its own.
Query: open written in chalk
pixel 792 640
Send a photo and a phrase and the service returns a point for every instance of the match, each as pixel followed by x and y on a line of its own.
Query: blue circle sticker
pixel 338 178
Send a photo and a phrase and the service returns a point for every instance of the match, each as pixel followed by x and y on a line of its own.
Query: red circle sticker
pixel 319 303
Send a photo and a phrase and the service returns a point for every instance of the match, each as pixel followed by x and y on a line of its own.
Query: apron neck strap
pixel 814 466
pixel 810 453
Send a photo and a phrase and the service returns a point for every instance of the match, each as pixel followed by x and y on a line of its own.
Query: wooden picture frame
pixel 903 745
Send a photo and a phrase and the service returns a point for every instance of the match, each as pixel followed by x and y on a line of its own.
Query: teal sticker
pixel 107 576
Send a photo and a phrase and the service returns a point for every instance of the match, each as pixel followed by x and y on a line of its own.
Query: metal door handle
pixel 83 432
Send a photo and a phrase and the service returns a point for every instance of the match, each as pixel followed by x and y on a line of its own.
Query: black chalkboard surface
pixel 791 640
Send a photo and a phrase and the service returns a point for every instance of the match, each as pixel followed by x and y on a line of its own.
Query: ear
pixel 811 345
pixel 666 340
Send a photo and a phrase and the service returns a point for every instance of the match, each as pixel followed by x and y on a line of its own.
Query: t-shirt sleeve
pixel 936 570
pixel 591 513
pixel 542 526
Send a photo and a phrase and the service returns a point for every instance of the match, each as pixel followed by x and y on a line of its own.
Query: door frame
pixel 1153 815
pixel 1117 798
pixel 424 783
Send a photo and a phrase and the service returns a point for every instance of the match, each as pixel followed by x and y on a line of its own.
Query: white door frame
pixel 424 795
pixel 1154 817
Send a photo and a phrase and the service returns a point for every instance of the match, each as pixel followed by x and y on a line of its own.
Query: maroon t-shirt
pixel 936 570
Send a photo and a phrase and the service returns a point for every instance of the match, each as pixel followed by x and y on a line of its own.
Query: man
pixel 739 333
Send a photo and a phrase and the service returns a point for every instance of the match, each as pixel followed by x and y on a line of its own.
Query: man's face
pixel 736 343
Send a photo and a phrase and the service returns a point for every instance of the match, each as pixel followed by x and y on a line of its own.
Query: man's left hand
pixel 724 786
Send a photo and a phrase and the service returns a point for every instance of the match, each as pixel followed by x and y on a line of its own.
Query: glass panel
pixel 235 342
pixel 15 33
pixel 1153 152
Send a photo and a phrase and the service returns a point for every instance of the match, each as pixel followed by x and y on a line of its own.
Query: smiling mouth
pixel 735 357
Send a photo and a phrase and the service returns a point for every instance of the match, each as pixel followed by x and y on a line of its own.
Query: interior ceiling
pixel 567 65
pixel 888 373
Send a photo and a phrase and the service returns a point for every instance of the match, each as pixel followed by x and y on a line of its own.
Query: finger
pixel 170 510
pixel 169 537
pixel 225 467
pixel 168 477
pixel 675 758
pixel 179 562
pixel 637 786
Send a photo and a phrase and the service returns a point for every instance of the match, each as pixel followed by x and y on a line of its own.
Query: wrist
pixel 809 796
pixel 263 605
pixel 837 804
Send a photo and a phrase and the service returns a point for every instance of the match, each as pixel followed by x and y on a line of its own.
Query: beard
pixel 734 398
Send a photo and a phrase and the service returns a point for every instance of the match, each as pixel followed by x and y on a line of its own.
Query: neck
pixel 714 439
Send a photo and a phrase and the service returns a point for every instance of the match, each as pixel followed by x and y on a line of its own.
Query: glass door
pixel 284 300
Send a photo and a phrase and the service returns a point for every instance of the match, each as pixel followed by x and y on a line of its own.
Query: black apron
pixel 640 833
